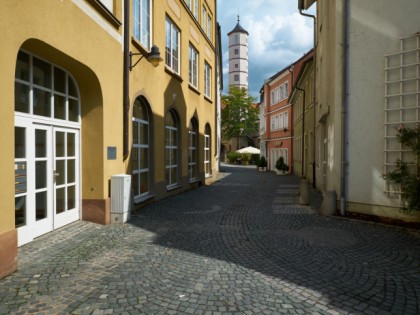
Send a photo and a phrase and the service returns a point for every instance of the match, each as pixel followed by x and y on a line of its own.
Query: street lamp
pixel 153 57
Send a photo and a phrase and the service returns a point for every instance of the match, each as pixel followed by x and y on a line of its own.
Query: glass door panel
pixel 66 176
pixel 41 193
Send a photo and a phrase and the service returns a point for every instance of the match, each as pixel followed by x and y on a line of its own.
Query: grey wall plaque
pixel 112 153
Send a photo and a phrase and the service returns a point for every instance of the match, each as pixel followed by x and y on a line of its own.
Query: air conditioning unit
pixel 120 198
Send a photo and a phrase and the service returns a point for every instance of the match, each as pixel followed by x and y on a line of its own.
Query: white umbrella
pixel 250 150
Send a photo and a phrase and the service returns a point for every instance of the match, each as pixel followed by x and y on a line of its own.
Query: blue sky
pixel 278 35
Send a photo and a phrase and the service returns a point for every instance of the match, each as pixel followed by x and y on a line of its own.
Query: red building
pixel 276 139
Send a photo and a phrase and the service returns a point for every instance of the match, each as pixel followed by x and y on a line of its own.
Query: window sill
pixel 142 199
pixel 106 14
pixel 173 73
pixel 194 180
pixel 143 50
pixel 193 88
pixel 173 187
pixel 208 176
pixel 208 99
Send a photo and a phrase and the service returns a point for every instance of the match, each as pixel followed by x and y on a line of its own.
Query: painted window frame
pixel 29 79
pixel 207 79
pixel 138 148
pixel 172 46
pixel 193 150
pixel 142 22
pixel 207 151
pixel 193 61
pixel 172 150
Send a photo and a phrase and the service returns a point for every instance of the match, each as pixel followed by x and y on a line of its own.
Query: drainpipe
pixel 314 87
pixel 126 77
pixel 303 128
pixel 344 107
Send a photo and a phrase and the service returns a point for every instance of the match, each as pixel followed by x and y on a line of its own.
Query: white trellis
pixel 402 100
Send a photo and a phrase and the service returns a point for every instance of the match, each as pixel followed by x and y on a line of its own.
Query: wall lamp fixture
pixel 153 57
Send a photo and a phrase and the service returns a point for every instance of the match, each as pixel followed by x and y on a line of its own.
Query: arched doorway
pixel 47 147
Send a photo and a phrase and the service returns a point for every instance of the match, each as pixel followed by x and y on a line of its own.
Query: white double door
pixel 47 168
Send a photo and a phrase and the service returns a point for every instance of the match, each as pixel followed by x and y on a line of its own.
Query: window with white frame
pixel 172 51
pixel 279 93
pixel 195 10
pixel 236 51
pixel 208 32
pixel 207 151
pixel 204 18
pixel 142 23
pixel 286 89
pixel 140 156
pixel 171 149
pixel 285 120
pixel 207 80
pixel 273 122
pixel 193 66
pixel 43 89
pixel 192 149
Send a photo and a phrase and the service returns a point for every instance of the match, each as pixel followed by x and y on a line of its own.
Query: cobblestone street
pixel 240 246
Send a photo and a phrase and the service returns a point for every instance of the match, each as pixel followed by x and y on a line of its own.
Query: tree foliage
pixel 239 116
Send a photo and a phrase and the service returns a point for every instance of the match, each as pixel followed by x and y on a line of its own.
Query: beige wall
pixel 82 38
pixel 165 90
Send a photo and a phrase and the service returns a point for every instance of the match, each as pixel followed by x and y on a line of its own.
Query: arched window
pixel 192 150
pixel 171 149
pixel 140 160
pixel 207 151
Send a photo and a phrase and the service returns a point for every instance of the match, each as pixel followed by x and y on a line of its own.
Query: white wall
pixel 375 30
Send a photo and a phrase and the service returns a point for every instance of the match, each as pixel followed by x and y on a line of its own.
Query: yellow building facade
pixel 82 101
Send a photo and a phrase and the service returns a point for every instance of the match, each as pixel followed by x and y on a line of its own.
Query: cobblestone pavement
pixel 240 246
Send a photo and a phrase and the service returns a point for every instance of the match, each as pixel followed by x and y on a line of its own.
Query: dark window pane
pixel 20 143
pixel 40 143
pixel 60 200
pixel 21 98
pixel 59 80
pixel 41 205
pixel 22 66
pixel 42 103
pixel 59 107
pixel 41 174
pixel 41 73
pixel 73 110
pixel 20 211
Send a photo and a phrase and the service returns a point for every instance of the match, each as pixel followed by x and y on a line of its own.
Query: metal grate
pixel 402 106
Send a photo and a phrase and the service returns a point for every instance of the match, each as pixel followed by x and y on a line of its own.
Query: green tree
pixel 239 116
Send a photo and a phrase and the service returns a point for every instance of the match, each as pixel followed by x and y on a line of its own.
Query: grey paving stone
pixel 240 246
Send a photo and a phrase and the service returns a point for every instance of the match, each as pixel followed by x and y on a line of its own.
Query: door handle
pixel 56 174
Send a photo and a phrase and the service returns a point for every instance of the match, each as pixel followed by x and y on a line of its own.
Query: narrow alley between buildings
pixel 240 246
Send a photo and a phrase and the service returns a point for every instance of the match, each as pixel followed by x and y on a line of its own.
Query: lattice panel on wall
pixel 402 100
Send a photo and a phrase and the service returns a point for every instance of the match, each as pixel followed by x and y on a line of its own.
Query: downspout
pixel 126 77
pixel 303 128
pixel 344 107
pixel 314 87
